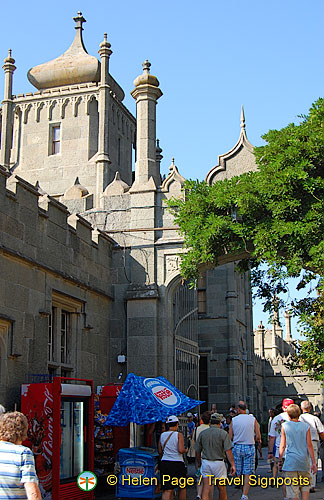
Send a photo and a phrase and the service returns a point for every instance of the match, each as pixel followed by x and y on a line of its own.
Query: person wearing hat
pixel 275 436
pixel 212 446
pixel 171 449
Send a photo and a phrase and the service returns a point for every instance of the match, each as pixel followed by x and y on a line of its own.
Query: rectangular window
pixel 56 139
pixel 63 333
pixel 201 294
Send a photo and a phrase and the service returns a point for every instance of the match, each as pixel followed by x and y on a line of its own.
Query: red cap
pixel 287 402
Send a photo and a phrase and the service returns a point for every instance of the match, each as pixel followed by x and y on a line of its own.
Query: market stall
pixel 144 401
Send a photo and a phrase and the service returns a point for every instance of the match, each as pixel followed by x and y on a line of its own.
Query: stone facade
pixel 55 290
pixel 274 380
pixel 73 141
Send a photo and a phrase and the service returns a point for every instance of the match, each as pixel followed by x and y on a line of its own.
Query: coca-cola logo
pixel 48 411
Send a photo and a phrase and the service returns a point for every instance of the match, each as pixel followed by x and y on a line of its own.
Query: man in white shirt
pixel 275 435
pixel 317 431
pixel 242 430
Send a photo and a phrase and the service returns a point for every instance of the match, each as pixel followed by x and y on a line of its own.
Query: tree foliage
pixel 276 216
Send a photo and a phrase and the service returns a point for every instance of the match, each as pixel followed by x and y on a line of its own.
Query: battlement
pixel 41 231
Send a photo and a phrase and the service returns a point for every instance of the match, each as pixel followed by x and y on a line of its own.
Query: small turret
pixel 103 160
pixel 7 111
pixel 146 93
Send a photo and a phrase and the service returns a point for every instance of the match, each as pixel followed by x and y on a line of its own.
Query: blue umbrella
pixel 145 400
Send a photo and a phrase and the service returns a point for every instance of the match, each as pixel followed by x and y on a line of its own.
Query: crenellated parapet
pixel 40 231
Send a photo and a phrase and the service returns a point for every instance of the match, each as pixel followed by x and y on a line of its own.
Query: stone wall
pixel 50 259
pixel 75 110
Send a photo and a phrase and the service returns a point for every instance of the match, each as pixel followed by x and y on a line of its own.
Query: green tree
pixel 274 219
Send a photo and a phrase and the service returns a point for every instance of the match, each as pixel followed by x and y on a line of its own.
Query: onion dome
pixel 146 78
pixel 73 67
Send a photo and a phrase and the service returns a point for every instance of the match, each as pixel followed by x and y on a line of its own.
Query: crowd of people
pixel 224 447
pixel 229 446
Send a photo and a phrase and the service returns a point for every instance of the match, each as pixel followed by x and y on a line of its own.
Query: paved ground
pixel 255 493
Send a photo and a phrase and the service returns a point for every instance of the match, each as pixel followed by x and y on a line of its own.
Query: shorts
pixel 216 468
pixel 244 458
pixel 302 478
pixel 176 470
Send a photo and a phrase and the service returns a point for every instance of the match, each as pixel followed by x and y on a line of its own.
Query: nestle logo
pixel 135 470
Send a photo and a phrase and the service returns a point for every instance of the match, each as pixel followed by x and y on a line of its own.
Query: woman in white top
pixel 172 468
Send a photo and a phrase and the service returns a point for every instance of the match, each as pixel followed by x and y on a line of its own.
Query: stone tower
pixel 73 139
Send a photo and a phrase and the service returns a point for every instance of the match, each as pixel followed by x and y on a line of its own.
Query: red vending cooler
pixel 60 433
pixel 107 397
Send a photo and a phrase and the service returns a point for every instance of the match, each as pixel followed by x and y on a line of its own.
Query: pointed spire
pixel 242 118
pixel 171 167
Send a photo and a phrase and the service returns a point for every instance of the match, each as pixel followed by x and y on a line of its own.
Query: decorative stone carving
pixel 76 191
pixel 173 177
pixel 89 99
pixel 116 187
pixel 64 103
pixel 38 108
pixel 172 263
pixel 76 102
pixel 238 160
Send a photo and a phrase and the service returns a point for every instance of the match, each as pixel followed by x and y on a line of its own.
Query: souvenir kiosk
pixel 144 401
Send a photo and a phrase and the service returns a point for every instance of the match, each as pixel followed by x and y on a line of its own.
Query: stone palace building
pixel 89 254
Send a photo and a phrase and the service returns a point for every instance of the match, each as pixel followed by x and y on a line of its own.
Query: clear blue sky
pixel 209 57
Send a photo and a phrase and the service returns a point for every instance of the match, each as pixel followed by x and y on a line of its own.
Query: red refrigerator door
pixel 37 403
pixel 61 451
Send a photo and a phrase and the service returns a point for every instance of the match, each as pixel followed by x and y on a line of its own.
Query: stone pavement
pixel 255 493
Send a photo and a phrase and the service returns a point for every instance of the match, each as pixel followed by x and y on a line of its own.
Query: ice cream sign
pixel 162 392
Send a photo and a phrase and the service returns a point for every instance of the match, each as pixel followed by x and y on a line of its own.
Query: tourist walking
pixel 275 435
pixel 297 443
pixel 273 468
pixel 17 466
pixel 171 449
pixel 190 431
pixel 205 419
pixel 212 446
pixel 244 431
pixel 317 432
